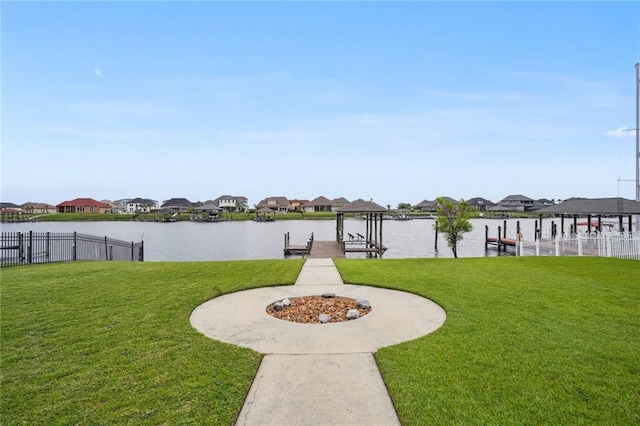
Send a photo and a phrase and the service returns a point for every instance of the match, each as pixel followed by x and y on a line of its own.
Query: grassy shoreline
pixel 527 340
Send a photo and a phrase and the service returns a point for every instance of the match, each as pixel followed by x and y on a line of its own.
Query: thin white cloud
pixel 132 108
pixel 114 135
pixel 97 71
pixel 620 132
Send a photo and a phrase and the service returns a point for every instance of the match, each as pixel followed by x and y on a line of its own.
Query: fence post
pixel 132 251
pixel 141 252
pixel 30 248
pixel 75 246
pixel 106 248
pixel 607 242
pixel 579 244
pixel 48 245
pixel 20 247
pixel 110 253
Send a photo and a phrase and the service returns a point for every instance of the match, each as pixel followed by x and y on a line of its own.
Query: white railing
pixel 604 244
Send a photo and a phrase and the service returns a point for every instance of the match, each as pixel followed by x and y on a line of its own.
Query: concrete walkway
pixel 317 374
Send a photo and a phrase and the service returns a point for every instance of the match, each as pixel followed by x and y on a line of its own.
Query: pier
pixel 370 243
pixel 297 250
pixel 501 241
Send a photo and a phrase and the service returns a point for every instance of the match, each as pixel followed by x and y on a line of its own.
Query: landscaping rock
pixel 324 318
pixel 353 314
pixel 329 295
pixel 286 302
pixel 362 303
pixel 278 306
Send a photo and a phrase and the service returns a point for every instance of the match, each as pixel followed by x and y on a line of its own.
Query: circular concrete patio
pixel 241 319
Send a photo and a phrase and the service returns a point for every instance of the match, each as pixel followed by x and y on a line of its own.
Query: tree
pixel 404 206
pixel 453 221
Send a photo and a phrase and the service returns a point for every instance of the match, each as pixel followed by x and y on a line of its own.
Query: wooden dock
pixel 333 249
pixel 500 243
pixel 326 249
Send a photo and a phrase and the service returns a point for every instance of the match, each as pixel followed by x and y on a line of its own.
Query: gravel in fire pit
pixel 305 309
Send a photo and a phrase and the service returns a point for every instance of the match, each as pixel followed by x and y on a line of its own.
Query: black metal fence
pixel 23 248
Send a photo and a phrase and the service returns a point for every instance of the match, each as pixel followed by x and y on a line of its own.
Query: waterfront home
pixel 296 205
pixel 480 204
pixel 431 206
pixel 83 205
pixel 278 204
pixel 518 203
pixel 338 203
pixel 179 205
pixel 38 208
pixel 142 205
pixel 319 204
pixel 231 203
pixel 14 208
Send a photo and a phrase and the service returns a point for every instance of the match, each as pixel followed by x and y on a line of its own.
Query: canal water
pixel 243 240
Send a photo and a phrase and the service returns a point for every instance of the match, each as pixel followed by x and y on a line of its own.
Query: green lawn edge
pixel 526 341
pixel 111 342
pixel 546 340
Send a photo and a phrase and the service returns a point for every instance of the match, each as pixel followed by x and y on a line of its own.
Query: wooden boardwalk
pixel 325 249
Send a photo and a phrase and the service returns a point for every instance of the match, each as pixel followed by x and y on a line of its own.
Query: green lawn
pixel 111 343
pixel 526 341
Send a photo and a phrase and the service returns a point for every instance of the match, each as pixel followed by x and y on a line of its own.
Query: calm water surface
pixel 190 241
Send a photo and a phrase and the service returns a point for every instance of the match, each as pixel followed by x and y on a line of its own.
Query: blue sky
pixel 395 101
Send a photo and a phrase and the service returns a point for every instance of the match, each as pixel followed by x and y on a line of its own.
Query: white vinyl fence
pixel 605 244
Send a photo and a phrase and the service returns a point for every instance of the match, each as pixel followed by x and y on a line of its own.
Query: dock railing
pixel 25 248
pixel 603 244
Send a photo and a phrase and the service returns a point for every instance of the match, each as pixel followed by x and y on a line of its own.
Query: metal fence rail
pixel 604 244
pixel 24 248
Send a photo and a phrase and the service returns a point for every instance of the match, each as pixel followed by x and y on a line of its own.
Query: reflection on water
pixel 190 241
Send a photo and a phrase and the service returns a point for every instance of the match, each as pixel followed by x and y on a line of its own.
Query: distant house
pixel 231 203
pixel 480 204
pixel 296 205
pixel 83 205
pixel 276 204
pixel 338 203
pixel 120 206
pixel 319 204
pixel 517 203
pixel 10 206
pixel 179 205
pixel 38 208
pixel 431 206
pixel 425 206
pixel 142 205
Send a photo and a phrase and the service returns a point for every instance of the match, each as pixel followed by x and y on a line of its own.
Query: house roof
pixel 319 201
pixel 362 206
pixel 516 197
pixel 9 205
pixel 595 206
pixel 231 197
pixel 139 200
pixel 177 202
pixel 29 204
pixel 280 201
pixel 83 202
pixel 340 201
pixel 480 201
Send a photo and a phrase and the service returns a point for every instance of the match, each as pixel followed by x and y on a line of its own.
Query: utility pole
pixel 637 143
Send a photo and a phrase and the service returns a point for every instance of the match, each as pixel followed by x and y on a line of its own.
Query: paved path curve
pixel 317 374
